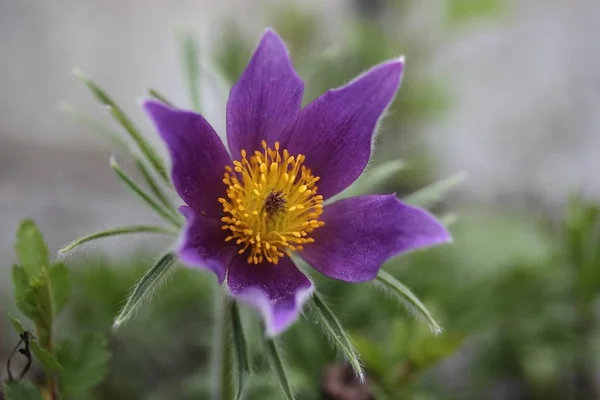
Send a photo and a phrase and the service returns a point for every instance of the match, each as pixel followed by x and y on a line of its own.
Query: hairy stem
pixel 221 356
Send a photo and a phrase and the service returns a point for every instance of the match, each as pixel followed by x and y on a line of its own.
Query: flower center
pixel 272 204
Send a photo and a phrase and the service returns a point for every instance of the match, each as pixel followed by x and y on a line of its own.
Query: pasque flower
pixel 249 209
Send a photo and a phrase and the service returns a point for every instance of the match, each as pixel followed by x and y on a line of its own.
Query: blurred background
pixel 505 90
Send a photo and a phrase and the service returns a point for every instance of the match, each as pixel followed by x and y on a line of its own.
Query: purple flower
pixel 247 215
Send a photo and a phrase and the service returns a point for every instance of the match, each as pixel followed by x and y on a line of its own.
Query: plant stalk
pixel 222 357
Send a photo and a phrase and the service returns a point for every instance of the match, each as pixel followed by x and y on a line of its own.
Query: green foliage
pixel 46 358
pixel 116 232
pixel 146 287
pixel 408 298
pixel 459 11
pixel 23 390
pixel 189 57
pixel 332 327
pixel 31 249
pixel 58 279
pixel 42 290
pixel 272 354
pixel 144 146
pixel 84 364
pixel 241 358
pixel 168 215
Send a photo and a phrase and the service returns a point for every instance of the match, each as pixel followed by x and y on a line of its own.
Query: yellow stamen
pixel 271 204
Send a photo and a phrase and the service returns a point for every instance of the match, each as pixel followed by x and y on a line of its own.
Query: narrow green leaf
pixel 407 297
pixel 159 97
pixel 16 324
pixel 117 231
pixel 31 249
pixel 435 192
pixel 143 195
pixel 146 287
pixel 45 358
pixel 96 125
pixel 189 56
pixel 22 390
pixel 449 219
pixel 154 186
pixel 84 364
pixel 147 150
pixel 60 287
pixel 332 327
pixel 241 363
pixel 374 178
pixel 276 364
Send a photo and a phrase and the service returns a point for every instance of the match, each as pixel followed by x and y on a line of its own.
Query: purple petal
pixel 265 102
pixel 361 233
pixel 198 156
pixel 202 244
pixel 277 291
pixel 335 131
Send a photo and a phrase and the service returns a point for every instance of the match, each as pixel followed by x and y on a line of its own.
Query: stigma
pixel 272 205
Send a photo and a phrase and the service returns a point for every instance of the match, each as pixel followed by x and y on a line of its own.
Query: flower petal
pixel 265 102
pixel 202 244
pixel 335 131
pixel 277 291
pixel 361 233
pixel 198 156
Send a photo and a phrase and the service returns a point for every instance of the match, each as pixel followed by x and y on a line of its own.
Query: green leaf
pixel 408 298
pixel 146 287
pixel 45 358
pixel 276 364
pixel 435 192
pixel 96 125
pixel 449 219
pixel 117 231
pixel 159 97
pixel 462 10
pixel 60 287
pixel 143 195
pixel 22 390
pixel 374 178
pixel 16 324
pixel 147 150
pixel 31 249
pixel 154 186
pixel 84 365
pixel 241 363
pixel 332 327
pixel 191 69
pixel 25 294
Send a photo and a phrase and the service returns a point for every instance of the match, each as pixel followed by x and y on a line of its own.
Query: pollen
pixel 272 205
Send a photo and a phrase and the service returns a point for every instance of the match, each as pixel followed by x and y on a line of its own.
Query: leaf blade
pixel 158 96
pixel 143 195
pixel 60 287
pixel 429 195
pixel 84 364
pixel 145 286
pixel 147 150
pixel 45 358
pixel 22 390
pixel 189 56
pixel 241 361
pixel 125 230
pixel 394 286
pixel 332 327
pixel 31 249
pixel 276 364
pixel 16 324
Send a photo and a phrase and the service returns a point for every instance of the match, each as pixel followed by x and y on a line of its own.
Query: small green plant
pixel 42 289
